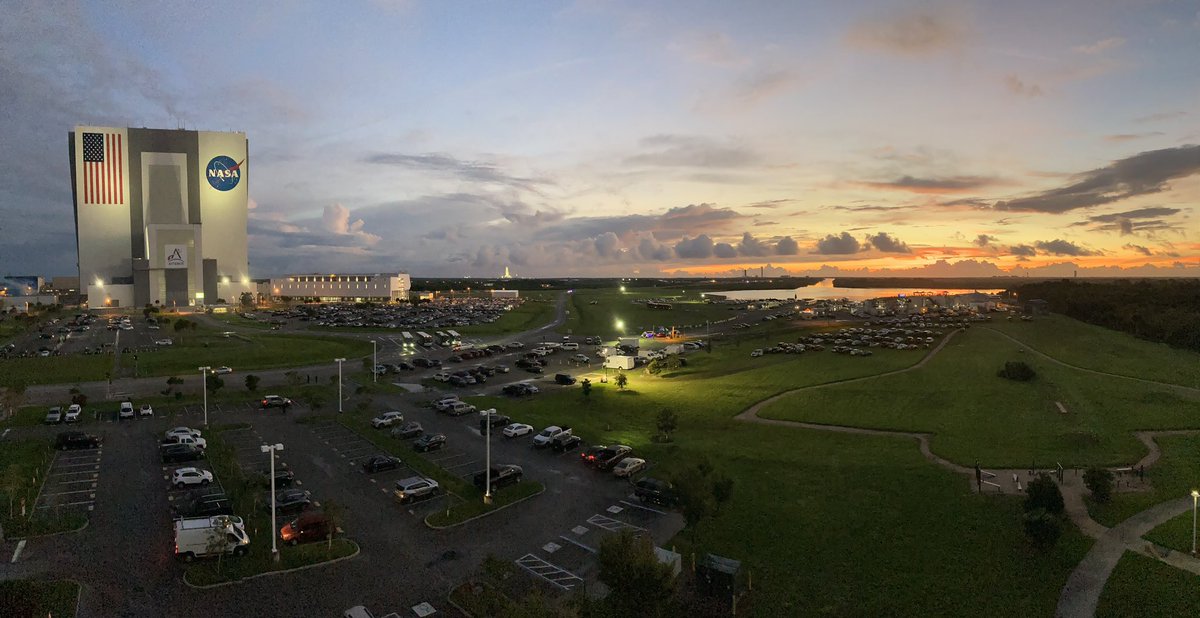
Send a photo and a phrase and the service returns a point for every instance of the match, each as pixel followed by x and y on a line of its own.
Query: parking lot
pixel 70 483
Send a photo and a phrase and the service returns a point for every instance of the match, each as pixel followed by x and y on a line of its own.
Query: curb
pixel 357 550
pixel 46 536
pixel 481 515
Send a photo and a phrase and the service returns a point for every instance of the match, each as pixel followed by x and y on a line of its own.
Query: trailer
pixel 620 362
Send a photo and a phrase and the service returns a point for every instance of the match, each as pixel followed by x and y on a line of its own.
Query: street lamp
pixel 339 361
pixel 204 390
pixel 269 448
pixel 1195 495
pixel 487 468
pixel 374 361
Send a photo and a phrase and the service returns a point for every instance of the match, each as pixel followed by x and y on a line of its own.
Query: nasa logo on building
pixel 223 173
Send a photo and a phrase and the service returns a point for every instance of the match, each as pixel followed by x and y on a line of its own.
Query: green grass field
pixel 687 308
pixel 1143 587
pixel 23 465
pixel 1174 476
pixel 20 598
pixel 55 369
pixel 537 310
pixel 978 416
pixel 233 319
pixel 245 354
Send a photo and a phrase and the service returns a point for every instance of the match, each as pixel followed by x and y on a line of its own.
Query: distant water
pixel 826 290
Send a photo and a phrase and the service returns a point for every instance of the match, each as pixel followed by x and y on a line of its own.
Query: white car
pixel 126 410
pixel 629 466
pixel 756 353
pixel 183 431
pixel 222 370
pixel 445 403
pixel 387 419
pixel 581 358
pixel 199 443
pixel 162 341
pixel 73 413
pixel 570 346
pixel 516 345
pixel 517 429
pixel 146 410
pixel 191 476
pixel 541 351
pixel 441 377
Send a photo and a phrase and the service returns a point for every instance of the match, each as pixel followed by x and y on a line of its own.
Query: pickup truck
pixel 543 439
pixel 501 476
pixel 199 443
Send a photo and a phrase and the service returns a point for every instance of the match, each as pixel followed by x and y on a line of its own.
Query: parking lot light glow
pixel 622 288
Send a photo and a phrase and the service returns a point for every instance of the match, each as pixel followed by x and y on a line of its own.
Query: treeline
pixel 1163 310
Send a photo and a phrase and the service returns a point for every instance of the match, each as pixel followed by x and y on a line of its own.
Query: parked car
pixel 534 369
pixel 460 408
pixel 126 410
pixel 274 401
pixel 429 442
pixel 516 345
pixel 184 477
pixel 501 368
pixel 445 403
pixel 501 476
pixel 605 457
pixel 565 442
pixel 546 435
pixel 199 443
pixel 283 478
pixel 405 366
pixel 387 419
pixel 410 429
pixel 175 453
pixel 76 439
pixel 493 420
pixel 183 431
pixel 756 353
pixel 581 358
pixel 380 463
pixel 146 410
pixel 222 370
pixel 564 379
pixel 414 489
pixel 628 467
pixel 310 526
pixel 517 429
pixel 655 491
pixel 203 506
pixel 288 501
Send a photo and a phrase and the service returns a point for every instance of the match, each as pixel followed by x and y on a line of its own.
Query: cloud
pixel 759 86
pixel 673 223
pixel 724 250
pixel 770 203
pixel 473 171
pixel 650 249
pixel 711 48
pixel 698 247
pixel 335 219
pixel 692 151
pixel 1100 46
pixel 1132 221
pixel 844 244
pixel 909 31
pixel 888 244
pixel 984 240
pixel 1140 249
pixel 752 247
pixel 1140 174
pixel 607 245
pixel 1160 116
pixel 1022 250
pixel 953 184
pixel 1129 137
pixel 1063 247
pixel 787 246
pixel 869 208
pixel 1018 87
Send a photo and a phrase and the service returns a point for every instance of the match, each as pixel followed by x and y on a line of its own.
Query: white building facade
pixel 160 215
pixel 377 287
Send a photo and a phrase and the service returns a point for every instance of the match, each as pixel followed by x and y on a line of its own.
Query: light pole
pixel 339 361
pixel 374 361
pixel 204 391
pixel 269 448
pixel 487 468
pixel 1195 495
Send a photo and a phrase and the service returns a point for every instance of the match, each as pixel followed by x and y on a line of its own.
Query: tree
pixel 1043 493
pixel 336 512
pixel 586 387
pixel 667 421
pixel 695 497
pixel 1042 528
pixel 1100 482
pixel 247 300
pixel 216 543
pixel 213 382
pixel 1017 370
pixel 638 584
pixel 722 489
pixel 252 382
pixel 13 397
pixel 622 380
pixel 368 364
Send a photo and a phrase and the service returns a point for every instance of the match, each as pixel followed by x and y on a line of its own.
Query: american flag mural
pixel 103 178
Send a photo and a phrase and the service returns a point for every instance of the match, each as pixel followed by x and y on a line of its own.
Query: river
pixel 826 290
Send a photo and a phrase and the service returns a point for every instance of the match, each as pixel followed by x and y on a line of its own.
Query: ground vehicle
pixel 146 410
pixel 546 435
pixel 457 380
pixel 380 463
pixel 756 353
pixel 387 419
pixel 653 490
pixel 620 362
pixel 222 370
pixel 581 358
pixel 73 413
pixel 415 488
pixel 76 439
pixel 591 340
pixel 429 442
pixel 515 345
pixel 460 408
pixel 516 390
pixel 605 457
pixel 408 430
pixel 534 369
pixel 156 341
pixel 205 506
pixel 564 379
pixel 445 403
pixel 209 536
pixel 183 431
pixel 199 443
pixel 126 410
pixel 517 429
pixel 493 420
pixel 572 346
pixel 310 526
pixel 288 501
pixel 190 476
pixel 405 366
pixel 283 478
pixel 565 442
pixel 175 453
pixel 275 401
pixel 501 476
pixel 629 466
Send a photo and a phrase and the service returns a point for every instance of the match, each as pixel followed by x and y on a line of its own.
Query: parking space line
pixel 554 574
pixel 460 465
pixel 92 481
pixel 644 508
pixel 50 506
pixel 94 464
pixel 581 545
pixel 94 457
pixel 610 524
pixel 67 493
pixel 91 472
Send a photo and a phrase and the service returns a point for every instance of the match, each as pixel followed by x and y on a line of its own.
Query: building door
pixel 176 280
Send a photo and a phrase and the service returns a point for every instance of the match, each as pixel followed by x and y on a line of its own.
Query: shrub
pixel 1043 493
pixel 1042 528
pixel 1100 482
pixel 1017 370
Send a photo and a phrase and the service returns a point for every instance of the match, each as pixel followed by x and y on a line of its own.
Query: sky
pixel 596 138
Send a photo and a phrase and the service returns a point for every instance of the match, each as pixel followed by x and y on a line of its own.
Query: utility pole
pixel 204 390
pixel 339 362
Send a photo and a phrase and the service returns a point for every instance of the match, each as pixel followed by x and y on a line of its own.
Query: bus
pixel 425 339
pixel 454 336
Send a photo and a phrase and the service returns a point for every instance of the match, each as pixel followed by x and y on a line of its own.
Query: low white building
pixel 506 293
pixel 377 287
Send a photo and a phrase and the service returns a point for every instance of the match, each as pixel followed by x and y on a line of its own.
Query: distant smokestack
pixel 745 273
pixel 761 270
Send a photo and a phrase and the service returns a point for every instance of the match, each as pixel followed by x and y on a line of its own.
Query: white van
pixel 209 536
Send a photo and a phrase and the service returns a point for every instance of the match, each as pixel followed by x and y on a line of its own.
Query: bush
pixel 1017 370
pixel 1042 528
pixel 1100 482
pixel 1043 493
